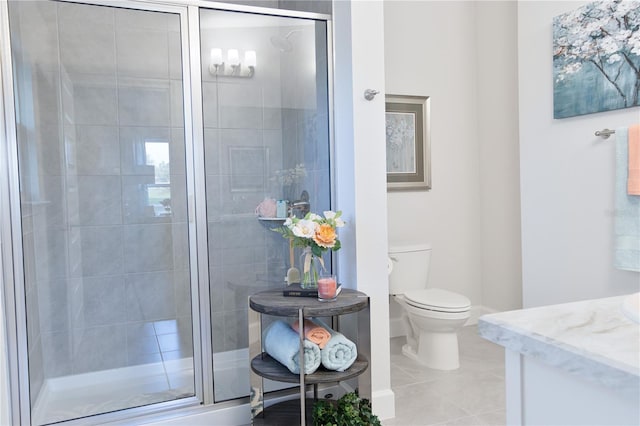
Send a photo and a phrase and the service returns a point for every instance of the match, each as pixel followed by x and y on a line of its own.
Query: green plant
pixel 350 410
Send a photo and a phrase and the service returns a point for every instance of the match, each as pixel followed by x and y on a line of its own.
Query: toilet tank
pixel 409 267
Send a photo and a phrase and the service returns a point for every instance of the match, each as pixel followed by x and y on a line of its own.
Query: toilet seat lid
pixel 438 300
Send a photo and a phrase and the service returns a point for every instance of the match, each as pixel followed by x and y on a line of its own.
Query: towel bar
pixel 605 133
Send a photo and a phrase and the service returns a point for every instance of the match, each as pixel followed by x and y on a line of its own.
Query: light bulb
pixel 250 58
pixel 233 57
pixel 216 56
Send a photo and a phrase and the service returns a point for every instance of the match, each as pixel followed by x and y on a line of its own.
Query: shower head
pixel 282 43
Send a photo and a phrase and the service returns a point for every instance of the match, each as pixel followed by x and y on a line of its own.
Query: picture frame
pixel 407 129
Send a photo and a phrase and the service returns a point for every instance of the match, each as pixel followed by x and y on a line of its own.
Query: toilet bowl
pixel 431 316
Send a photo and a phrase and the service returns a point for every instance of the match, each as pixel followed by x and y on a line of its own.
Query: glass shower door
pixel 103 191
pixel 266 138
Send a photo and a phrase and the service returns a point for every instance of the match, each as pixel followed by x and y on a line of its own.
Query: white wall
pixel 497 108
pixel 462 55
pixel 360 159
pixel 429 51
pixel 567 179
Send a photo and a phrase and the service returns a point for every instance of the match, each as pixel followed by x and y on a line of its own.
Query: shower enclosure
pixel 140 137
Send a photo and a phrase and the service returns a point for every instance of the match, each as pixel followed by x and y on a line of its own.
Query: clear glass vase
pixel 309 269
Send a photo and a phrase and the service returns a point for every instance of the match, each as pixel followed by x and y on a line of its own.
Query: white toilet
pixel 431 316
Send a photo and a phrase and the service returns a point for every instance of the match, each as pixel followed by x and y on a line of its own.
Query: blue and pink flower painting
pixel 596 58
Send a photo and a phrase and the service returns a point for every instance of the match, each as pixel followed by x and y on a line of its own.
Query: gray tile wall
pixel 100 264
pixel 274 118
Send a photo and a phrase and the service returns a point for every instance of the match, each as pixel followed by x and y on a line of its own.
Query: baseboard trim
pixel 383 403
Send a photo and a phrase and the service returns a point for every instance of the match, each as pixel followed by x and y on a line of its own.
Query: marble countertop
pixel 592 338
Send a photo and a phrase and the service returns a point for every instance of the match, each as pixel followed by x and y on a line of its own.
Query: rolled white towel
pixel 339 353
pixel 283 344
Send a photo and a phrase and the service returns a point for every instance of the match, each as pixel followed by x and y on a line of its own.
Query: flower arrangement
pixel 316 234
pixel 314 231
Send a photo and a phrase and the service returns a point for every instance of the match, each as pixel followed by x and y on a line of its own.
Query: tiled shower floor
pixel 164 373
pixel 110 390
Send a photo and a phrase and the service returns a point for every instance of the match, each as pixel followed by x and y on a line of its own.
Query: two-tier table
pixel 272 302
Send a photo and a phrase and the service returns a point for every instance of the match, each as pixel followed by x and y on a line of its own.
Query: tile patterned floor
pixel 473 395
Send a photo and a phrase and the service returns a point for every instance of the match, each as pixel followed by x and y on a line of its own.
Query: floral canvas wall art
pixel 596 58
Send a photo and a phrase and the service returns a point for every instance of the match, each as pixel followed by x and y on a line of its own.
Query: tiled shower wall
pixel 100 265
pixel 274 118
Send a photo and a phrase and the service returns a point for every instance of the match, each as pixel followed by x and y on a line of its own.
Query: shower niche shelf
pixel 272 302
pixel 271 222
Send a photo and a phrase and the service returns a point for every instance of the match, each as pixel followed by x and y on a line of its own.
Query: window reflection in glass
pixel 159 192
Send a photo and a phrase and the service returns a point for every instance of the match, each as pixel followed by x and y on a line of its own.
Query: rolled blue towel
pixel 283 344
pixel 339 353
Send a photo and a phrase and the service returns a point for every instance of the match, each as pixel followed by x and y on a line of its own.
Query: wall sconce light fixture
pixel 233 67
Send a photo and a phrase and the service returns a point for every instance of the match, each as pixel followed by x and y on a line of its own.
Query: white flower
pixel 314 217
pixel 288 222
pixel 329 214
pixel 332 215
pixel 304 228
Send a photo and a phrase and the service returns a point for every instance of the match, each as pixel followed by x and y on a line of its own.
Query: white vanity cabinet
pixel 569 364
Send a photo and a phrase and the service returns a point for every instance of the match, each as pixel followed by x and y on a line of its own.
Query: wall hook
pixel 369 94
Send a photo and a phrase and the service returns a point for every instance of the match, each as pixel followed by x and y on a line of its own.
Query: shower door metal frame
pixel 11 248
pixel 10 224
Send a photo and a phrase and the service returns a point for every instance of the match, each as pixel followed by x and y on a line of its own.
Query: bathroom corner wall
pixel 497 133
pixel 466 63
pixel 567 179
pixel 429 51
pixel 360 176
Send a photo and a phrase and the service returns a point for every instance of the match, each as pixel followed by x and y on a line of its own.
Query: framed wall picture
pixel 408 143
pixel 596 58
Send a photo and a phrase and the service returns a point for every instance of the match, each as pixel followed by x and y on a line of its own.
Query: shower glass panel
pixel 100 125
pixel 266 136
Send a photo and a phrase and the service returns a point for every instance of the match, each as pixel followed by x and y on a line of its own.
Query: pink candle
pixel 327 288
